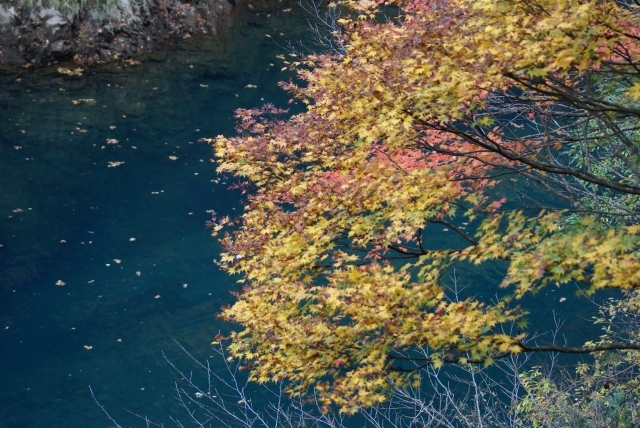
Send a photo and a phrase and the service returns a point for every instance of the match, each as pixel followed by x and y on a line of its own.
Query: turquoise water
pixel 128 241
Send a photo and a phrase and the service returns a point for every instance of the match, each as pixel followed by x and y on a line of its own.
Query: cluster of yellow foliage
pixel 339 275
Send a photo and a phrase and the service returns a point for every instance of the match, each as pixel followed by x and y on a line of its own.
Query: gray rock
pixel 8 14
pixel 126 29
pixel 56 47
pixel 104 55
pixel 56 21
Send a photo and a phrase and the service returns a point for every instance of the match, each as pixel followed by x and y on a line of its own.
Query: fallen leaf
pixel 76 72
pixel 88 101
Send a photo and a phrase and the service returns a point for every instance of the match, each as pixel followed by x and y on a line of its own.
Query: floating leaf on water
pixel 88 101
pixel 59 283
pixel 76 72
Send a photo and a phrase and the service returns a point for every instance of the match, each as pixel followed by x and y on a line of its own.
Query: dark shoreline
pixel 36 37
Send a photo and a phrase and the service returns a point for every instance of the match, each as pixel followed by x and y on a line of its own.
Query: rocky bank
pixel 119 30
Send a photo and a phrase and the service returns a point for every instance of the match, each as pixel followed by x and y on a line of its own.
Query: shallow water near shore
pixel 104 191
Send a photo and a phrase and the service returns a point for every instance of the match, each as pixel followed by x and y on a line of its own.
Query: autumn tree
pixel 428 120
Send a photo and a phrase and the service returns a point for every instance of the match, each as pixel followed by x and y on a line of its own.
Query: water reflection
pixel 104 188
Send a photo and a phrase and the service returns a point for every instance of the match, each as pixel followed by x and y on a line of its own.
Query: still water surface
pixel 127 239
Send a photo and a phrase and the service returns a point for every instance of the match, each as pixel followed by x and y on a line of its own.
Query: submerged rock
pixel 120 30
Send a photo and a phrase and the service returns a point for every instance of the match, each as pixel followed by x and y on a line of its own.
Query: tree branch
pixel 427 361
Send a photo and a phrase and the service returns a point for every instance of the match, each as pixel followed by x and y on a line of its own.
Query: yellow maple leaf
pixel 634 91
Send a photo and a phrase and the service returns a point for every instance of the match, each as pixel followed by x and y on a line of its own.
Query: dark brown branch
pixel 457 230
pixel 581 350
pixel 495 147
pixel 426 361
